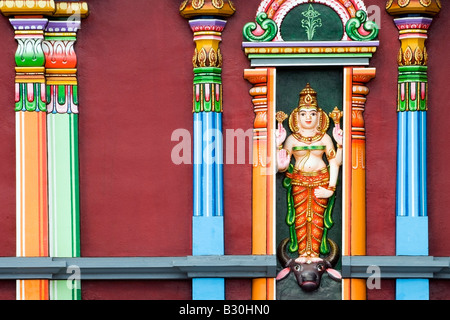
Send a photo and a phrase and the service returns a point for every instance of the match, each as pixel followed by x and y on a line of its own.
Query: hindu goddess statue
pixel 313 180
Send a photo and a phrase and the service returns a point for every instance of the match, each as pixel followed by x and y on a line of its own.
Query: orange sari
pixel 309 210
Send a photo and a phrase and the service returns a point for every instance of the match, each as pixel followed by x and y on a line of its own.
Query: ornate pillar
pixel 62 123
pixel 46 144
pixel 207 20
pixel 263 99
pixel 361 76
pixel 413 19
pixel 29 24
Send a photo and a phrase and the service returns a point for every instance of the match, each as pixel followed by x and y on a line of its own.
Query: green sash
pixel 301 148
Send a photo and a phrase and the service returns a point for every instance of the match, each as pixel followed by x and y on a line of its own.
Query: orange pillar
pixel 358 194
pixel 31 160
pixel 28 18
pixel 32 209
pixel 263 223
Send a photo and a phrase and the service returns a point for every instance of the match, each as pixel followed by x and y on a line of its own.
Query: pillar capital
pixel 408 7
pixel 258 78
pixel 24 7
pixel 360 78
pixel 195 8
pixel 413 19
pixel 207 19
pixel 46 32
pixel 68 9
pixel 49 8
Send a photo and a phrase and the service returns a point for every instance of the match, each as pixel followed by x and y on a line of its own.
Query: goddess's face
pixel 309 118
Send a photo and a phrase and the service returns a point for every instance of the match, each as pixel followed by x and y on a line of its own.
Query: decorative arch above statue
pixel 324 47
pixel 343 20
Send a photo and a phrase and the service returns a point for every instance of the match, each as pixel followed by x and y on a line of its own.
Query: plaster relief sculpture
pixel 311 185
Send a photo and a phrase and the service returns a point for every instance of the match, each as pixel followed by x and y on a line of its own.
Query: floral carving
pixel 218 4
pixel 231 5
pixel 389 4
pixel 202 58
pixel 183 5
pixel 403 3
pixel 425 3
pixel 417 57
pixel 311 21
pixel 197 4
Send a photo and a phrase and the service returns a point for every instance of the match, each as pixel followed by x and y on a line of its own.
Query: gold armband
pixel 331 154
pixel 331 188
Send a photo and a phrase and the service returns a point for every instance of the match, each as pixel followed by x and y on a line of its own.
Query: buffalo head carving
pixel 308 270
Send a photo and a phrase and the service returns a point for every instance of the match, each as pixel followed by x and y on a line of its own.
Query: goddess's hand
pixel 323 193
pixel 283 159
pixel 338 134
pixel 280 134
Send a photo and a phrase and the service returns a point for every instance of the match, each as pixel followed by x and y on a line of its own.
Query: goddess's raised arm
pixel 336 115
pixel 283 154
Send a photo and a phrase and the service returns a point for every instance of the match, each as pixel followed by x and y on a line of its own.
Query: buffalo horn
pixel 281 252
pixel 333 256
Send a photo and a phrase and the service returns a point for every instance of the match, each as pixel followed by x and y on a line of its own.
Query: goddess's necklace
pixel 308 140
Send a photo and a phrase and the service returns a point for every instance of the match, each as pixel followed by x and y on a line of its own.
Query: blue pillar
pixel 208 204
pixel 207 223
pixel 413 20
pixel 411 204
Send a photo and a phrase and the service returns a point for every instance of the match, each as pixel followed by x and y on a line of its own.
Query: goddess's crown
pixel 308 98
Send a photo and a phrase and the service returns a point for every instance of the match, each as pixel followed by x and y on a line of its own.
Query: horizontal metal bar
pixel 138 268
pixel 396 267
pixel 227 266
